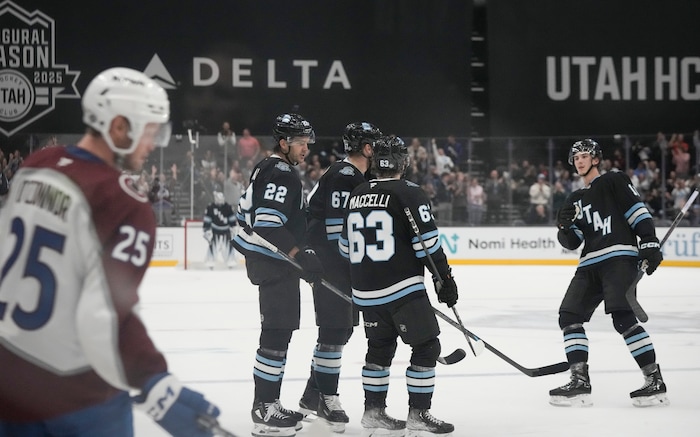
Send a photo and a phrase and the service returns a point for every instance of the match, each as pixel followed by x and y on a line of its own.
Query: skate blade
pixel 659 400
pixel 336 427
pixel 424 433
pixel 381 432
pixel 260 430
pixel 577 401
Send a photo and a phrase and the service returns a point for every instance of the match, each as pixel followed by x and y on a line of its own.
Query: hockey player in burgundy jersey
pixel 335 317
pixel 387 264
pixel 609 218
pixel 77 238
pixel 273 207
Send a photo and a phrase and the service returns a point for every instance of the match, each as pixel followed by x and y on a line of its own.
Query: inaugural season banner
pixel 400 64
pixel 593 67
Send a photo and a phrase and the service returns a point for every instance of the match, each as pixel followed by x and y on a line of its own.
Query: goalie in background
pixel 219 228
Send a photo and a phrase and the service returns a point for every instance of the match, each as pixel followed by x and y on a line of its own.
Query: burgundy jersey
pixel 76 241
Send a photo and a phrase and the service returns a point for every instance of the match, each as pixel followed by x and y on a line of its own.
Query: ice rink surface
pixel 206 323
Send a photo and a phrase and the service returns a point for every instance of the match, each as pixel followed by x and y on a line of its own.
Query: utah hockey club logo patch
pixel 30 78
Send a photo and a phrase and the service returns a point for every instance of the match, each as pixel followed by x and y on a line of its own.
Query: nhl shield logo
pixel 30 78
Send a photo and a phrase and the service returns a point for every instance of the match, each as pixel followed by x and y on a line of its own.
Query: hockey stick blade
pixel 631 293
pixel 455 357
pixel 210 423
pixel 263 242
pixel 476 350
pixel 534 372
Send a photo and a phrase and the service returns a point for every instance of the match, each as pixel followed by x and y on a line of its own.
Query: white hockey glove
pixel 208 235
pixel 175 408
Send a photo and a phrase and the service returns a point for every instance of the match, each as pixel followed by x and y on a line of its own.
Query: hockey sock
pixel 640 345
pixel 375 382
pixel 575 343
pixel 421 384
pixel 267 374
pixel 326 367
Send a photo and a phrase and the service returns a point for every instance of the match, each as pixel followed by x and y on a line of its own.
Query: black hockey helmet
pixel 288 126
pixel 358 134
pixel 585 146
pixel 390 153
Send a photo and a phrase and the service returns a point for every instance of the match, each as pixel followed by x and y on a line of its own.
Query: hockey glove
pixel 650 251
pixel 447 291
pixel 175 408
pixel 311 265
pixel 566 216
pixel 208 235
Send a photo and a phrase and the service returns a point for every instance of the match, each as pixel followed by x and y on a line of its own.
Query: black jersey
pixel 610 218
pixel 219 218
pixel 327 202
pixel 273 207
pixel 387 260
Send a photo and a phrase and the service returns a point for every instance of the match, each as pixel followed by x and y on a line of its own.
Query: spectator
pixel 475 202
pixel 208 161
pixel 495 191
pixel 248 147
pixel 537 216
pixel 559 196
pixel 454 150
pixel 458 190
pixel 233 187
pixel 226 138
pixel 443 163
pixel 540 193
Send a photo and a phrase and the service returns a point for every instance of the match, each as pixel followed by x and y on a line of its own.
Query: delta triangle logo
pixel 156 70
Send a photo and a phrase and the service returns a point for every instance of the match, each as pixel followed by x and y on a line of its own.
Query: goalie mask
pixel 358 134
pixel 132 95
pixel 390 155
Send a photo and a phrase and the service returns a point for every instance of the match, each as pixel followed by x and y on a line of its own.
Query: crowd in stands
pixel 523 192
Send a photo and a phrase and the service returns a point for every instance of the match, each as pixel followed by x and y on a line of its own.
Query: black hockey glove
pixel 447 291
pixel 311 265
pixel 650 251
pixel 566 216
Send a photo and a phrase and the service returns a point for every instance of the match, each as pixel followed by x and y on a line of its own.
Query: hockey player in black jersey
pixel 335 316
pixel 387 264
pixel 618 233
pixel 218 224
pixel 273 206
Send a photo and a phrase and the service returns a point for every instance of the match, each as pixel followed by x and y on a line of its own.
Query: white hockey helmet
pixel 219 198
pixel 131 94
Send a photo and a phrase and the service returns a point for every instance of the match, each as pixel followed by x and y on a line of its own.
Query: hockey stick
pixel 455 357
pixel 479 344
pixel 210 423
pixel 537 371
pixel 631 293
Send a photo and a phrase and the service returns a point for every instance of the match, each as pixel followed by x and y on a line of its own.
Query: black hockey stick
pixel 479 344
pixel 210 423
pixel 631 292
pixel 455 357
pixel 537 371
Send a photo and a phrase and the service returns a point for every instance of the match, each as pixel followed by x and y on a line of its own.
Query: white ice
pixel 206 324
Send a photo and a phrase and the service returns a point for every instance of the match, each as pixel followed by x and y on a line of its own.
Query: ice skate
pixel 330 411
pixel 268 420
pixel 577 393
pixel 421 423
pixel 308 404
pixel 652 393
pixel 295 415
pixel 375 422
